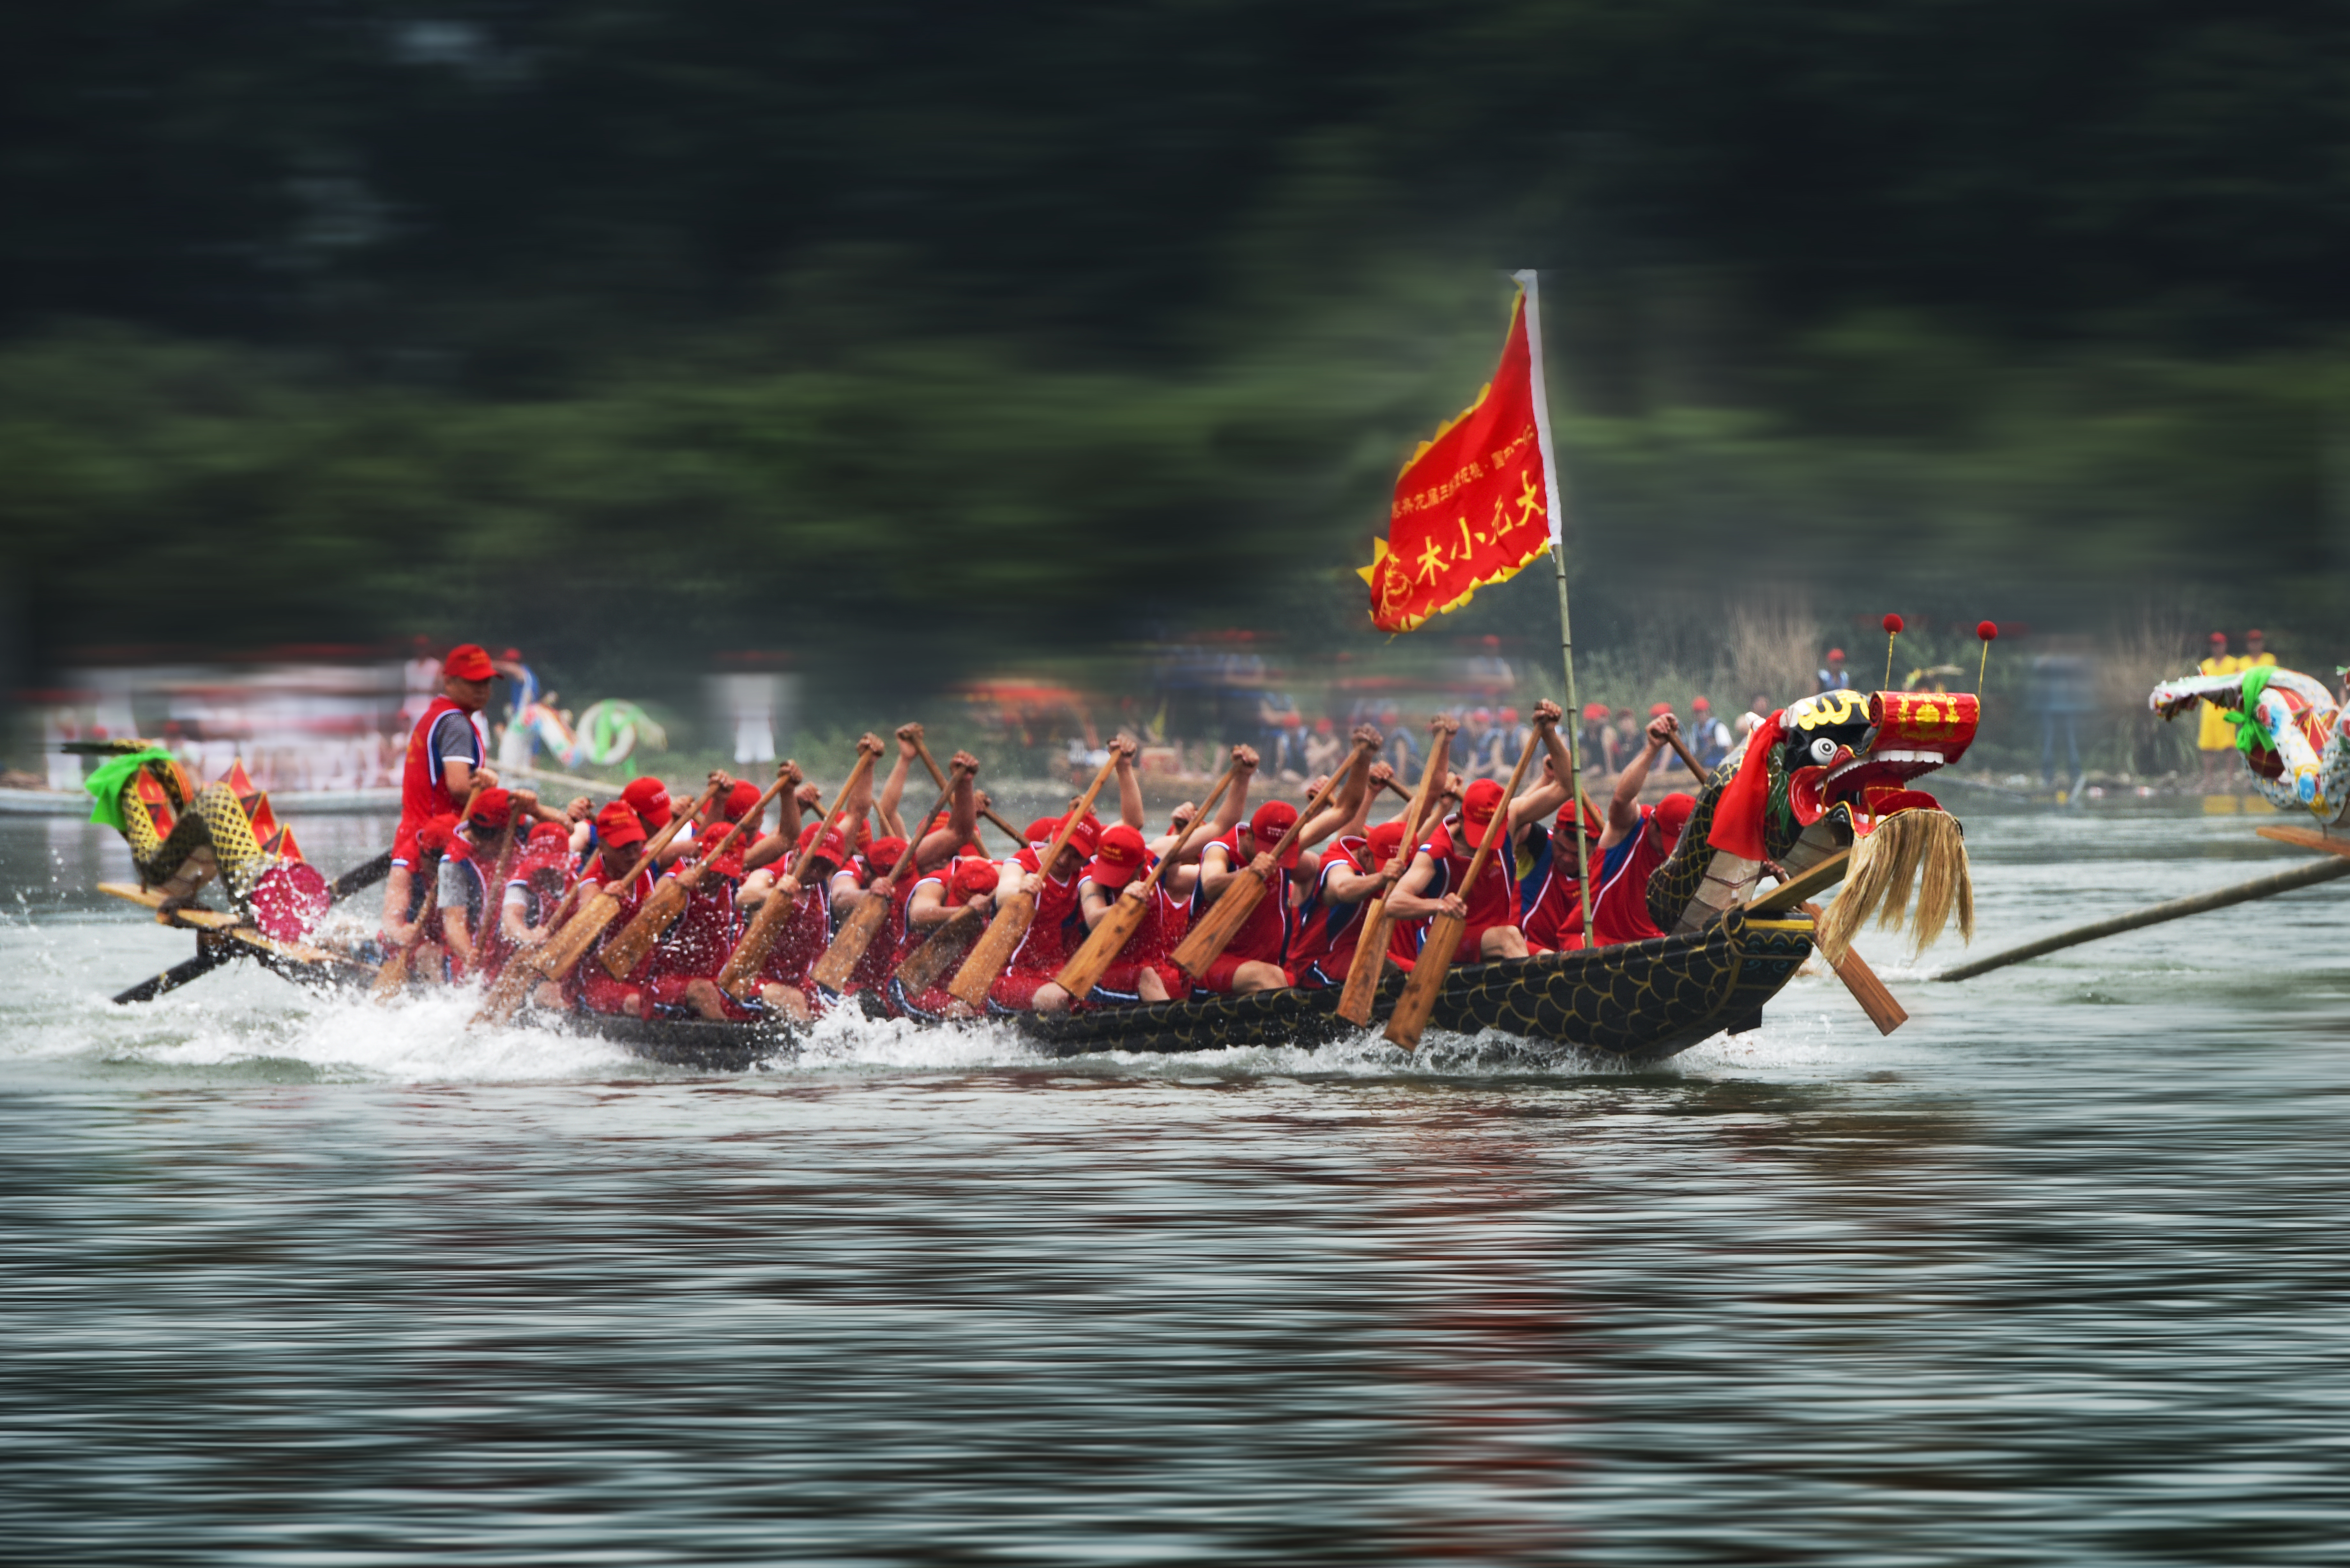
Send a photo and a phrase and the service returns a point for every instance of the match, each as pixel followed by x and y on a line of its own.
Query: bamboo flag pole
pixel 1531 281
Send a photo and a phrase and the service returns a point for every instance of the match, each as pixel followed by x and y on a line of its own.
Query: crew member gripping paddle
pixel 392 978
pixel 839 962
pixel 1372 948
pixel 624 953
pixel 1014 913
pixel 740 977
pixel 567 946
pixel 1087 965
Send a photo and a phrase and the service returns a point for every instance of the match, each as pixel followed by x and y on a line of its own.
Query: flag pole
pixel 1532 283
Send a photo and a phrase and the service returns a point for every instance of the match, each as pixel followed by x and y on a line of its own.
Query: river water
pixel 2055 1274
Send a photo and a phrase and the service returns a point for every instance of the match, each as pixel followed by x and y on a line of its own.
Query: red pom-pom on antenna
pixel 1893 624
pixel 1986 631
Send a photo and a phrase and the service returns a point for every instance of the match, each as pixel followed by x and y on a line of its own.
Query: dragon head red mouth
pixel 1861 753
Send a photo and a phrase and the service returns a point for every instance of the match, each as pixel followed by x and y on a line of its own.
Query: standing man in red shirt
pixel 446 750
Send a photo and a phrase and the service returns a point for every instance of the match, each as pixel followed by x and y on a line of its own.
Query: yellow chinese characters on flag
pixel 1472 506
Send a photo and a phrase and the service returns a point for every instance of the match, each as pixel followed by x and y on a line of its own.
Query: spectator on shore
pixel 1758 710
pixel 1591 740
pixel 1832 676
pixel 1324 748
pixel 2214 737
pixel 1709 736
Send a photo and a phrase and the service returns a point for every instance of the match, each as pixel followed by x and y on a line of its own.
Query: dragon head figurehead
pixel 1836 768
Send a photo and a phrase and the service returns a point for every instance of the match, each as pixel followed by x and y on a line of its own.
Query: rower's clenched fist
pixel 1124 749
pixel 808 796
pixel 910 741
pixel 1382 776
pixel 1662 729
pixel 788 771
pixel 1444 722
pixel 1548 713
pixel 1245 756
pixel 1181 818
pixel 1368 738
pixel 578 809
pixel 870 743
pixel 963 762
pixel 721 780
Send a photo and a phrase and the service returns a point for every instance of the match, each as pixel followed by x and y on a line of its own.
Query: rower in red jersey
pixel 784 985
pixel 1026 984
pixel 444 751
pixel 543 873
pixel 686 962
pixel 1434 883
pixel 1551 891
pixel 1258 956
pixel 966 882
pixel 1638 840
pixel 1330 921
pixel 1143 971
pixel 619 839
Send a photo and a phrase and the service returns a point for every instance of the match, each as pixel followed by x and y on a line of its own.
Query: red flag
pixel 1471 507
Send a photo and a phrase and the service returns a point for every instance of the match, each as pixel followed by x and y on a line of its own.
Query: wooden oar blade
pixel 507 992
pixel 740 977
pixel 1206 940
pixel 1369 962
pixel 567 946
pixel 839 961
pixel 1005 935
pixel 624 953
pixel 1413 1008
pixel 944 946
pixel 1090 962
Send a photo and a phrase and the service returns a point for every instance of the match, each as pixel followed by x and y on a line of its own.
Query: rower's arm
pixel 1623 809
pixel 1129 787
pixel 1235 805
pixel 1345 884
pixel 1216 869
pixel 1095 906
pixel 1551 793
pixel 1352 796
pixel 1406 902
pixel 894 786
pixel 938 845
pixel 928 907
pixel 514 916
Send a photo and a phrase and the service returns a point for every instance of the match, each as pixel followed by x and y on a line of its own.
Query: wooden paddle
pixel 566 948
pixel 942 947
pixel 671 894
pixel 224 928
pixel 1371 947
pixel 520 975
pixel 855 934
pixel 1087 965
pixel 1014 915
pixel 1201 945
pixel 740 977
pixel 392 978
pixel 1409 1019
pixel 939 779
pixel 1858 978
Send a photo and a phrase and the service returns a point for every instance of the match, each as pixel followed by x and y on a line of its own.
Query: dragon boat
pixel 1821 783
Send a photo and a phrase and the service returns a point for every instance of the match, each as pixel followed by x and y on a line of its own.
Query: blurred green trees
pixel 608 325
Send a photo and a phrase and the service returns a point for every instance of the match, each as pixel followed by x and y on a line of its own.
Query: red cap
pixel 1672 814
pixel 1040 831
pixel 974 876
pixel 2218 639
pixel 493 808
pixel 549 833
pixel 1659 709
pixel 883 853
pixel 1385 840
pixel 1118 858
pixel 1509 715
pixel 1322 726
pixel 618 826
pixel 834 848
pixel 1595 710
pixel 434 836
pixel 1595 827
pixel 649 801
pixel 469 661
pixel 511 656
pixel 1083 838
pixel 740 800
pixel 1272 820
pixel 1295 721
pixel 1835 653
pixel 1699 705
pixel 2256 631
pixel 1477 809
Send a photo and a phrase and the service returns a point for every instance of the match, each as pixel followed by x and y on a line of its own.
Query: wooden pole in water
pixel 2307 875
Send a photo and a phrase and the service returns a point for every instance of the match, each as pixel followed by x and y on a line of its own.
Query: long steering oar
pixel 855 934
pixel 1205 942
pixel 566 948
pixel 989 813
pixel 1372 946
pixel 740 977
pixel 392 978
pixel 1858 979
pixel 1412 1009
pixel 670 896
pixel 1012 916
pixel 1088 963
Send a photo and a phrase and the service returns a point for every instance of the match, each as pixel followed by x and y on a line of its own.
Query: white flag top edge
pixel 1532 283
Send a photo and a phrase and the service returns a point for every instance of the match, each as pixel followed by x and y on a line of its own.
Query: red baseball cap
pixel 1595 710
pixel 549 833
pixel 1509 715
pixel 972 878
pixel 617 827
pixel 434 836
pixel 883 853
pixel 1040 832
pixel 1835 653
pixel 740 800
pixel 2219 639
pixel 1084 837
pixel 1700 704
pixel 469 661
pixel 1385 840
pixel 1272 820
pixel 493 808
pixel 1672 814
pixel 649 801
pixel 1119 858
pixel 1477 809
pixel 1659 709
pixel 1594 825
